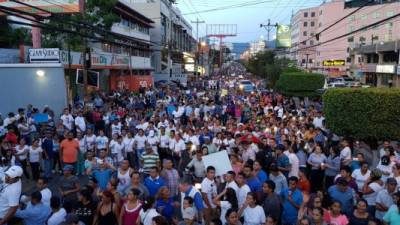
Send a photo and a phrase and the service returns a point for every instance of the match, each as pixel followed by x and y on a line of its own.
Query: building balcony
pixel 127 31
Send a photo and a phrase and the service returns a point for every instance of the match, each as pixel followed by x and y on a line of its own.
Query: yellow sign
pixel 224 92
pixel 333 63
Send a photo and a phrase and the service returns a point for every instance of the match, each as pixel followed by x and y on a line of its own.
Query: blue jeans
pixel 48 166
pixel 139 157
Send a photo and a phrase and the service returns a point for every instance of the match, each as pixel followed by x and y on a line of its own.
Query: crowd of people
pixel 137 158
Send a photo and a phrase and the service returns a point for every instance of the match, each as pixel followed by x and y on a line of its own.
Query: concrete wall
pixel 20 86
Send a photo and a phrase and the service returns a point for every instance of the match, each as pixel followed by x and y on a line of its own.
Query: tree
pixel 267 66
pixel 369 114
pixel 300 84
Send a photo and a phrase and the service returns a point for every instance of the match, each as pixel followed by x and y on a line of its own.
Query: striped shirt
pixel 149 161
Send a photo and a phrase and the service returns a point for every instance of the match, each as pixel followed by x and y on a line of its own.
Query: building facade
pixel 304 26
pixel 171 35
pixel 341 56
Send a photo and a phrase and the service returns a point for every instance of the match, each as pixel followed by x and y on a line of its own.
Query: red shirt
pixel 11 137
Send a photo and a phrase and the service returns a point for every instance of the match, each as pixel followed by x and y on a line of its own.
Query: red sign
pixel 132 83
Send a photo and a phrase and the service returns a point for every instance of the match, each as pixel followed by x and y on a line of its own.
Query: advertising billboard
pixel 283 36
pixel 54 6
pixel 338 62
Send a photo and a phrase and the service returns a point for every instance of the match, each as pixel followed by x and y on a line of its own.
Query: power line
pixel 350 33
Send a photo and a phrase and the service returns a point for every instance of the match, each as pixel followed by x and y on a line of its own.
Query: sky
pixel 246 14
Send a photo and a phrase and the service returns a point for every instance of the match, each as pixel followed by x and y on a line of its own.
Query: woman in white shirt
pixel 218 141
pixel 22 154
pixel 230 201
pixel 253 214
pixel 371 188
pixel 35 156
pixel 148 212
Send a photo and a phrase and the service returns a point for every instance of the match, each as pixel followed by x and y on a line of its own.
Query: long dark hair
pixel 148 203
pixel 230 196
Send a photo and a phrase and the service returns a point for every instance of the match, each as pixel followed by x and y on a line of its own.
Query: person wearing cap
pixel 69 185
pixel 35 213
pixel 103 174
pixel 342 193
pixel 10 194
pixel 384 198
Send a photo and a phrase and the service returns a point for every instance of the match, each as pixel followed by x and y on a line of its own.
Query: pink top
pixel 339 220
pixel 131 215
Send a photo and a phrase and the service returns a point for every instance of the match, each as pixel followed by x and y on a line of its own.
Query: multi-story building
pixel 171 34
pixel 304 26
pixel 347 55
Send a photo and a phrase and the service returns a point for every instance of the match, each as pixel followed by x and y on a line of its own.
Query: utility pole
pixel 87 59
pixel 196 62
pixel 307 60
pixel 269 27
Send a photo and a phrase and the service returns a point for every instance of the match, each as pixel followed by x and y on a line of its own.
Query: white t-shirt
pixel 116 128
pixel 57 217
pixel 177 147
pixel 345 154
pixel 242 194
pixel 80 123
pixel 117 148
pixel 140 141
pixel 46 196
pixel 254 216
pixel 210 188
pixel 128 144
pixel 360 178
pixel 234 186
pixel 22 152
pixel 90 141
pixel 101 142
pixel 318 121
pixel 225 205
pixel 164 141
pixel 294 162
pixel 9 197
pixel 147 217
pixel 371 198
pixel 34 154
pixel 67 121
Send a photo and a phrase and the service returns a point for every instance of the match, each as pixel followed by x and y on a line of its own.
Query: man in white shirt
pixel 41 184
pixel 9 197
pixel 80 122
pixel 58 213
pixel 67 119
pixel 318 120
pixel 244 189
pixel 209 191
pixel 177 145
pixel 164 144
pixel 230 182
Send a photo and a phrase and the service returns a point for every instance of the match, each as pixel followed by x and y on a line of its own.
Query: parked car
pixel 246 86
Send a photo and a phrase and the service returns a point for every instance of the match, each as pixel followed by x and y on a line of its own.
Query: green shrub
pixel 366 113
pixel 300 84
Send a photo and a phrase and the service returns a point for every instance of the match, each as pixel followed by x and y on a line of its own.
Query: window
pixel 312 23
pixel 306 14
pixel 305 33
pixel 305 24
pixel 364 17
pixel 388 37
pixel 350 39
pixel 303 61
pixel 352 18
pixel 351 28
pixel 362 39
pixel 389 13
pixel 376 27
pixel 311 42
pixel 389 25
pixel 309 60
pixel 377 15
pixel 312 14
pixel 312 34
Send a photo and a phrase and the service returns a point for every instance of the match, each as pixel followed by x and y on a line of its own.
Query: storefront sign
pixel 44 55
pixel 132 83
pixel 333 62
pixel 385 69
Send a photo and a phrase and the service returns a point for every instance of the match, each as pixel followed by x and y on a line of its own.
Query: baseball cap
pixel 189 213
pixel 391 180
pixel 14 171
pixel 68 167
